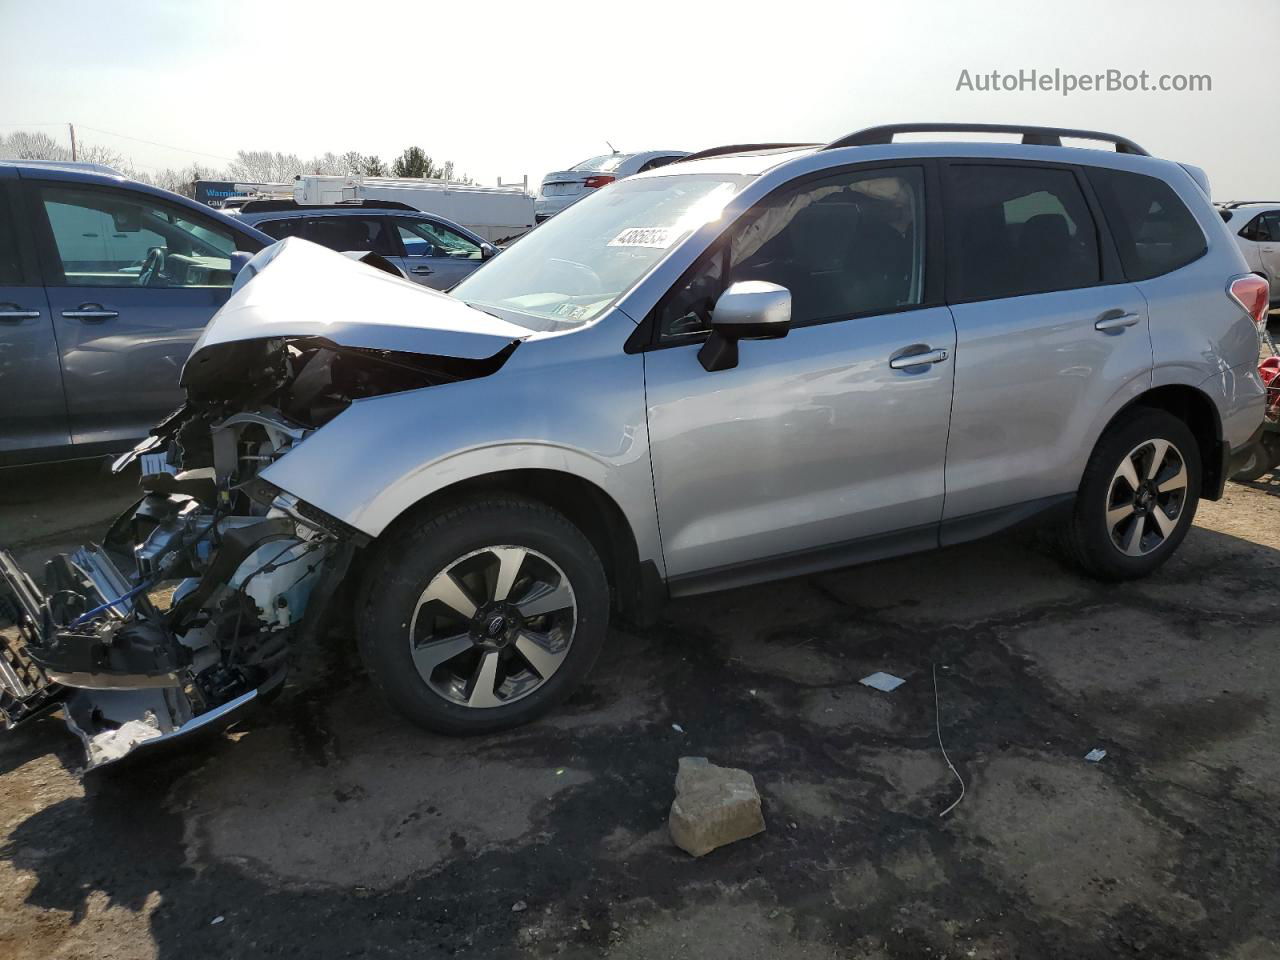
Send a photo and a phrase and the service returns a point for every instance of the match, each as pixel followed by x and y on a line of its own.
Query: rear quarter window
pixel 1154 231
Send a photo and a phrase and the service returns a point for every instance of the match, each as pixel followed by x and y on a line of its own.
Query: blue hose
pixel 109 604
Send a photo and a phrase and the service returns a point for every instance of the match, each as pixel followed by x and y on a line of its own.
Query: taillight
pixel 1254 294
pixel 592 182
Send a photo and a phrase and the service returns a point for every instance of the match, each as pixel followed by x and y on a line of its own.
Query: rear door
pixel 435 255
pixel 131 281
pixel 33 414
pixel 1269 246
pixel 1048 333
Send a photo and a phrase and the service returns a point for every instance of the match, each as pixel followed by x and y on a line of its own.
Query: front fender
pixel 569 403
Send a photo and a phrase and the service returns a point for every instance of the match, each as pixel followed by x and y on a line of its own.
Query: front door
pixel 825 446
pixel 131 282
pixel 33 414
pixel 435 255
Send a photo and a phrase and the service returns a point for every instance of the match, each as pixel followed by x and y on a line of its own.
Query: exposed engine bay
pixel 197 599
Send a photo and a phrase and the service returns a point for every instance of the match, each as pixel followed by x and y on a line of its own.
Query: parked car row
pixel 750 364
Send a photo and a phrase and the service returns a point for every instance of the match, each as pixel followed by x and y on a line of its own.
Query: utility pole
pixel 72 128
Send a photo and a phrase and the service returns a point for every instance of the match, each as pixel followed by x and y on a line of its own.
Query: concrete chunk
pixel 713 806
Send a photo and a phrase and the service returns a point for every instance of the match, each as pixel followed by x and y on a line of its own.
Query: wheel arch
pixel 1197 410
pixel 636 585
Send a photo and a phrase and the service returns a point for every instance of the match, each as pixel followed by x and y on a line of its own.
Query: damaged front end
pixel 195 601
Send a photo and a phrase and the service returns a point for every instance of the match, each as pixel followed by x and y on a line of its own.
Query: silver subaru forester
pixel 757 362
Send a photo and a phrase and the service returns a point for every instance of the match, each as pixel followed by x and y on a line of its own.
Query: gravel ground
pixel 325 827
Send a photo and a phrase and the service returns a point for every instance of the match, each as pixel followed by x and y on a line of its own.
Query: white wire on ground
pixel 937 719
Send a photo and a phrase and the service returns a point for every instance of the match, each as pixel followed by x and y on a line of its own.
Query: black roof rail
pixel 262 206
pixel 1039 136
pixel 740 148
pixel 1231 205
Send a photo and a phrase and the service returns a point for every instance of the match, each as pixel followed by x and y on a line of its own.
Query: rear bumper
pixel 544 207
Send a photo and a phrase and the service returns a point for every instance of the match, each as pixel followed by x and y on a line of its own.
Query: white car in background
pixel 1256 227
pixel 566 187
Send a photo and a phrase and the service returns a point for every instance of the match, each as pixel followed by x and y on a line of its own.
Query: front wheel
pixel 484 616
pixel 1137 498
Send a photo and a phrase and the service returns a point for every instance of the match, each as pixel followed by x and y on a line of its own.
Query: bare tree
pixel 264 166
pixel 32 145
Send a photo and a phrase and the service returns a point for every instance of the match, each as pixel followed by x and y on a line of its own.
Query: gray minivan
pixel 105 284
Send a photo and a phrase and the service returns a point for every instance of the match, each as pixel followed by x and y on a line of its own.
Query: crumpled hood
pixel 301 289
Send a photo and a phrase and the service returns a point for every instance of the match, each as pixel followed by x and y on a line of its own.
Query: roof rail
pixel 261 206
pixel 1231 205
pixel 740 148
pixel 1039 136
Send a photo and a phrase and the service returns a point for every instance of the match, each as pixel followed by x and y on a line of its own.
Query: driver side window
pixel 847 245
pixel 105 238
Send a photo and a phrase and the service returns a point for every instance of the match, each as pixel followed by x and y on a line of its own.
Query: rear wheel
pixel 484 616
pixel 1138 496
pixel 1256 467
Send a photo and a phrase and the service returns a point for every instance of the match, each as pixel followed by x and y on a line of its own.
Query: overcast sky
pixel 523 88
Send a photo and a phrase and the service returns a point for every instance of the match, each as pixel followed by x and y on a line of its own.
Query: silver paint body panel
pixel 812 439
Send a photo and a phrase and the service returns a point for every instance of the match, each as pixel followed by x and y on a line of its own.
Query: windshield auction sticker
pixel 643 237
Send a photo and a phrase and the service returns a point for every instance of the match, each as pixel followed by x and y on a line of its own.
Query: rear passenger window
pixel 1014 230
pixel 1257 230
pixel 1154 231
pixel 336 233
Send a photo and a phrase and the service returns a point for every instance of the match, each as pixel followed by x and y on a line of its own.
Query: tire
pixel 1110 544
pixel 471 661
pixel 1256 467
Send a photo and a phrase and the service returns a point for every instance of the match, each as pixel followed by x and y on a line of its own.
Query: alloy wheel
pixel 1146 498
pixel 493 626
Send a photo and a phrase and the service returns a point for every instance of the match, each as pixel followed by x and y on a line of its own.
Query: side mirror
pixel 238 259
pixel 748 310
pixel 488 251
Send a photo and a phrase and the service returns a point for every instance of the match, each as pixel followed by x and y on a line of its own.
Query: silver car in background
pixel 1256 226
pixel 738 367
pixel 565 187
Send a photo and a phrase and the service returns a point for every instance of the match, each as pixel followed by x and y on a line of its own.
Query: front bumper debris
pixel 187 614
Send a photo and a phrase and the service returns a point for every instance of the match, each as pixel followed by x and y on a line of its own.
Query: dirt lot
pixel 326 827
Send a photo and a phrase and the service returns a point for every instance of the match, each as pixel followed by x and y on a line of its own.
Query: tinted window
pixel 844 246
pixel 115 239
pixel 10 263
pixel 1256 229
pixel 1154 230
pixel 657 162
pixel 426 238
pixel 1270 227
pixel 1015 230
pixel 336 233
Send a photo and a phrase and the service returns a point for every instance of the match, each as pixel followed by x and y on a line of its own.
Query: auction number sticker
pixel 643 237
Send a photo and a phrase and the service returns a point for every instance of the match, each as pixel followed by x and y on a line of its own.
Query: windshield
pixel 569 270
